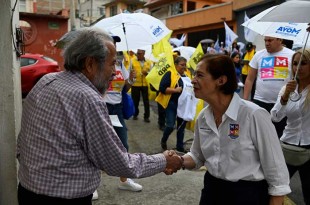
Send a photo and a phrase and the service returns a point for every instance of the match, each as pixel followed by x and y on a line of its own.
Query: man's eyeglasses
pixel 302 63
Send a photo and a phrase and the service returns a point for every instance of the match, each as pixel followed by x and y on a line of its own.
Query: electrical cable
pixel 18 52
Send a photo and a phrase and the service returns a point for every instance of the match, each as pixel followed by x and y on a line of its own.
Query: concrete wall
pixel 10 105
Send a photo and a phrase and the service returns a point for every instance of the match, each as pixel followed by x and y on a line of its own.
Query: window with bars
pixel 176 8
pixel 101 11
pixel 22 5
pixel 132 7
pixel 113 10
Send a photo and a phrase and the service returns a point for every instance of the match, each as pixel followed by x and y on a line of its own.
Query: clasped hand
pixel 174 162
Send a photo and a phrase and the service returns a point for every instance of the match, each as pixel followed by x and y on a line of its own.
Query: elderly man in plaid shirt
pixel 66 136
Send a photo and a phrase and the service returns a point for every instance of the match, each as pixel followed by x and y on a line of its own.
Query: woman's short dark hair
pixel 178 59
pixel 218 65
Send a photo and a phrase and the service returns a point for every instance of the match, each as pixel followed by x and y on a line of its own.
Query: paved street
pixel 181 188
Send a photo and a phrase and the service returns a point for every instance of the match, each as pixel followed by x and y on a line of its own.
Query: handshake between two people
pixel 174 162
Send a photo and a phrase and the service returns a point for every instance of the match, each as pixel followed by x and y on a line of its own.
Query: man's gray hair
pixel 90 42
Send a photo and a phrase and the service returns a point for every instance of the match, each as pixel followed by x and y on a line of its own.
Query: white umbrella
pixel 290 11
pixel 135 29
pixel 185 51
pixel 285 30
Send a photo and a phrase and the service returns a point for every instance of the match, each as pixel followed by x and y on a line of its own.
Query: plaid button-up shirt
pixel 67 137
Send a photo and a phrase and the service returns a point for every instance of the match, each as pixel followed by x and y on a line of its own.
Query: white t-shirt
pixel 114 93
pixel 274 70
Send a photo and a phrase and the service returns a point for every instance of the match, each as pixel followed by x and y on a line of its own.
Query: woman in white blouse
pixel 236 140
pixel 296 135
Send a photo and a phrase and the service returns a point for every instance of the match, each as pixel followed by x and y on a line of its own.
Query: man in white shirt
pixel 271 68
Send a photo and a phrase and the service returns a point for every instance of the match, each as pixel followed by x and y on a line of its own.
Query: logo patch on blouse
pixel 233 131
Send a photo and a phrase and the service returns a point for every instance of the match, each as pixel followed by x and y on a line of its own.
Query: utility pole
pixel 72 16
pixel 50 6
pixel 10 103
pixel 91 12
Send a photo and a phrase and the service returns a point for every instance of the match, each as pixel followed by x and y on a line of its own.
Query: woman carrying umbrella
pixel 296 135
pixel 236 140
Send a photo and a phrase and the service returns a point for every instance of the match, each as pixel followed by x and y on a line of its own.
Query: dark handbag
pixel 128 106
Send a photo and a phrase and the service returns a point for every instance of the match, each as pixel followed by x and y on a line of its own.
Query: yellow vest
pixel 162 98
pixel 140 78
pixel 248 57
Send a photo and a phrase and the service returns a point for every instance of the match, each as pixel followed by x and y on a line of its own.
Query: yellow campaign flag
pixel 128 58
pixel 197 55
pixel 189 73
pixel 162 46
pixel 163 52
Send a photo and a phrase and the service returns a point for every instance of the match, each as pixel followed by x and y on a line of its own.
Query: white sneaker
pixel 129 185
pixel 95 195
pixel 240 84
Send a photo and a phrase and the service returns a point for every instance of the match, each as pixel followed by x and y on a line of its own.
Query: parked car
pixel 33 68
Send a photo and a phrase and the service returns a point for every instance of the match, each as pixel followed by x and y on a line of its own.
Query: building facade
pixel 90 11
pixel 197 19
pixel 203 19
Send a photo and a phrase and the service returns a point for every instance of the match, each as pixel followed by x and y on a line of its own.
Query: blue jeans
pixel 120 131
pixel 171 117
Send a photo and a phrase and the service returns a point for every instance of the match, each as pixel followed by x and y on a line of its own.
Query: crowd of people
pixel 250 149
